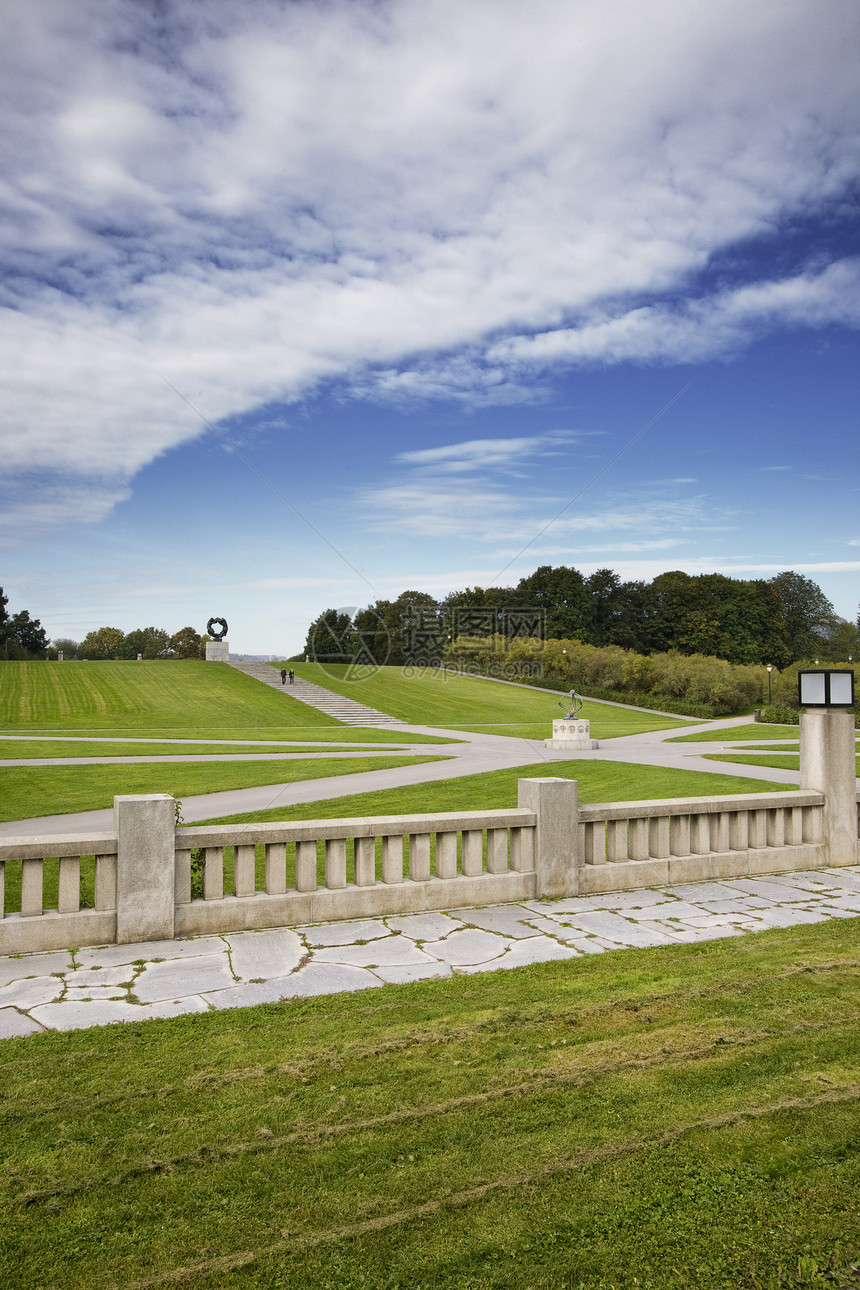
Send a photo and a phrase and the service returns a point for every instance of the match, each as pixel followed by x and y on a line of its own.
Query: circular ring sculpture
pixel 211 625
pixel 573 703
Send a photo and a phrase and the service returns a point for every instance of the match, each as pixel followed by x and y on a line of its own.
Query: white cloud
pixel 415 198
pixel 487 454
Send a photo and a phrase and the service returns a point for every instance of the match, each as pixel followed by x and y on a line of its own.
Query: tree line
pixel 23 637
pixel 779 620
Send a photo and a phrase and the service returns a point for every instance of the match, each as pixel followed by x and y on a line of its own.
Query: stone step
pixel 349 711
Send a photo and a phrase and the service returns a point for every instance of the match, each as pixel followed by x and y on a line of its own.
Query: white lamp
pixel 826 689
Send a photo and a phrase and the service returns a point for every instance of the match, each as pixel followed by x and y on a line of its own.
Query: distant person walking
pixel 292 676
pixel 284 676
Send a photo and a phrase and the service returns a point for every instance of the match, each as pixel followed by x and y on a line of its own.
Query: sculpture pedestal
pixel 217 652
pixel 571 734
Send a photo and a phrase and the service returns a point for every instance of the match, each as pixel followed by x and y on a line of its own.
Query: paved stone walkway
pixel 128 983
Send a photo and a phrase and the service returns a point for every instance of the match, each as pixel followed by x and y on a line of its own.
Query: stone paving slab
pixel 505 919
pixel 14 1024
pixel 107 955
pixel 343 933
pixel 15 966
pixel 402 974
pixel 425 927
pixel 392 951
pixel 329 978
pixel 31 992
pixel 77 1016
pixel 171 980
pixel 129 983
pixel 273 952
pixel 467 947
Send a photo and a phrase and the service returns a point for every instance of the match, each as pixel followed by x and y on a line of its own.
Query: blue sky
pixel 432 268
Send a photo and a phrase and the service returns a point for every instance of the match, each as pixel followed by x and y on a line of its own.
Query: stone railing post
pixel 145 867
pixel 558 857
pixel 828 765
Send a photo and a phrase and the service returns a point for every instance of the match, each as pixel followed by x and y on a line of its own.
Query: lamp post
pixel 769 684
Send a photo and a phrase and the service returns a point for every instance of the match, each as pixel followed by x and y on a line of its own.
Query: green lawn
pixel 684 1118
pixel 786 761
pixel 755 730
pixel 497 789
pixel 436 698
pixel 11 749
pixel 30 791
pixel 128 696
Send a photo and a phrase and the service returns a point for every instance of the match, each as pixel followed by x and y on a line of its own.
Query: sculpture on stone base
pixel 218 648
pixel 573 733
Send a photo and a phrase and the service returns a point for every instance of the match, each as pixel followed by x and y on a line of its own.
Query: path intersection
pixel 65 990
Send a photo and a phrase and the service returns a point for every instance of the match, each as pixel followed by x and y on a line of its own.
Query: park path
pixel 472 754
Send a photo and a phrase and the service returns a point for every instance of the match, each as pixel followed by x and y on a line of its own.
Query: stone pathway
pixel 129 983
pixel 349 711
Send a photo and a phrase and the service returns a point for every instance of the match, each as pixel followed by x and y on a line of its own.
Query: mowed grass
pixel 17 749
pixel 30 791
pixel 755 730
pixel 169 697
pixel 497 790
pixel 786 761
pixel 432 697
pixel 674 1118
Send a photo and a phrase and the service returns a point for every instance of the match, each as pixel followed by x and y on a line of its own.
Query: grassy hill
pixel 169 695
pixel 450 700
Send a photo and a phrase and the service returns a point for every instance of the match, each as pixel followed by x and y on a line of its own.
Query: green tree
pixel 809 615
pixel 185 643
pixel 563 596
pixel 150 642
pixel 66 646
pixel 105 642
pixel 329 638
pixel 21 637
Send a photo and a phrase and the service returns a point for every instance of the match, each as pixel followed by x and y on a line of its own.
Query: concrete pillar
pixel 145 870
pixel 828 765
pixel 558 849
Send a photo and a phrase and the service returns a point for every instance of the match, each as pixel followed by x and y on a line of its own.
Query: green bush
pixel 690 684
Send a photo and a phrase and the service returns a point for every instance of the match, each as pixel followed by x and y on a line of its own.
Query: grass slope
pixel 497 789
pixel 785 761
pixel 684 1118
pixel 167 694
pixel 755 730
pixel 30 791
pixel 436 698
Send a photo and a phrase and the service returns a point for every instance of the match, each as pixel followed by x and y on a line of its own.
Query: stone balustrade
pixel 149 880
pixel 319 871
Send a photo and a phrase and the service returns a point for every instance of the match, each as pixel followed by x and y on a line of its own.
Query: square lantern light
pixel 826 689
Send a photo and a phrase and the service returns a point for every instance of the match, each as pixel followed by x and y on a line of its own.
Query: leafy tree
pixel 104 643
pixel 564 597
pixel 809 615
pixel 66 646
pixel 329 637
pixel 21 637
pixel 150 642
pixel 185 643
pixel 604 587
pixel 401 631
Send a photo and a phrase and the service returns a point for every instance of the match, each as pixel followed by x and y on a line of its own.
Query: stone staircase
pixel 348 711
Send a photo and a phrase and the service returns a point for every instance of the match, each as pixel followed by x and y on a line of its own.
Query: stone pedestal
pixel 572 734
pixel 217 652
